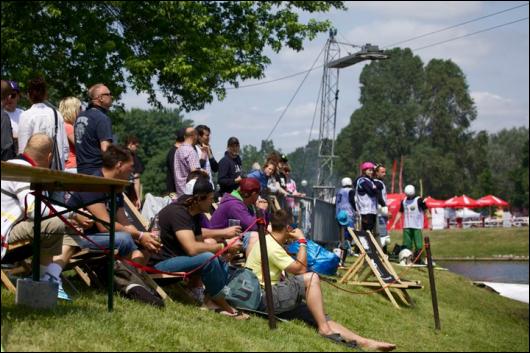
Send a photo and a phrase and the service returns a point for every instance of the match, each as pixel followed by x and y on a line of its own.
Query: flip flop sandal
pixel 337 338
pixel 238 315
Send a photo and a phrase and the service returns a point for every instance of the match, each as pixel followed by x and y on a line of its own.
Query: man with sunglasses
pixel 93 130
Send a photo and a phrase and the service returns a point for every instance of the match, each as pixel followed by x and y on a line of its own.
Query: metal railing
pixel 316 218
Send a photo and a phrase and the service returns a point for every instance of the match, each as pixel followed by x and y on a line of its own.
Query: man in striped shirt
pixel 186 160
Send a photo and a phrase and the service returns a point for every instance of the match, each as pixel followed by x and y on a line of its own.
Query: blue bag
pixel 319 260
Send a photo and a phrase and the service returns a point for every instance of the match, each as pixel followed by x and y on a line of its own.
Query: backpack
pixel 129 283
pixel 243 290
pixel 319 259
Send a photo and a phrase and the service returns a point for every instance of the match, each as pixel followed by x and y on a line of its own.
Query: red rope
pixel 149 269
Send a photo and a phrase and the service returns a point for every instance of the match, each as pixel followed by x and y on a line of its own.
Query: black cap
pixel 283 157
pixel 232 141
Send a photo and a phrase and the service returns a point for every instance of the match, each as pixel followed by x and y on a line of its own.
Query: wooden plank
pixel 133 211
pixel 53 180
pixel 7 282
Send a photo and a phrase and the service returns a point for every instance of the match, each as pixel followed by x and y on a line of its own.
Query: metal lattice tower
pixel 328 114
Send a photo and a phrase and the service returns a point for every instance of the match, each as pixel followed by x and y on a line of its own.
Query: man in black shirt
pixel 180 229
pixel 230 168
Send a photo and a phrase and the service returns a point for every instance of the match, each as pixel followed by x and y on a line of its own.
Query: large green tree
pixel 507 155
pixel 385 127
pixel 422 113
pixel 188 50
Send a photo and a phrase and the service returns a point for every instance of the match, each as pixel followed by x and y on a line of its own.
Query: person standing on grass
pixel 413 208
pixel 289 294
pixel 366 197
pixel 381 234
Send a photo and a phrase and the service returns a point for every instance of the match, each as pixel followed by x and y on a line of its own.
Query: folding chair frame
pixel 360 272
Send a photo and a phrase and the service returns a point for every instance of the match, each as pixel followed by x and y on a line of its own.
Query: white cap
pixel 346 182
pixel 410 190
pixel 405 257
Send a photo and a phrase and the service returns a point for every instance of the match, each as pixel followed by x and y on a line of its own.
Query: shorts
pixel 246 239
pixel 286 295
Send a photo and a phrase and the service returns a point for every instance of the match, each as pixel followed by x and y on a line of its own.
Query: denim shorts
pixel 246 239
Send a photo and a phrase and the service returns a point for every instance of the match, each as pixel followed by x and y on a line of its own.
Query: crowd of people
pixel 81 141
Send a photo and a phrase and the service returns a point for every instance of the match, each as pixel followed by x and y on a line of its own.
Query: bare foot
pixel 377 345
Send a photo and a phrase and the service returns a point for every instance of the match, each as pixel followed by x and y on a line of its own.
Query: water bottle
pixel 155 230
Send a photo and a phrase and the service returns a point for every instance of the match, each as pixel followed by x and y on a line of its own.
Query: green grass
pixel 474 242
pixel 472 319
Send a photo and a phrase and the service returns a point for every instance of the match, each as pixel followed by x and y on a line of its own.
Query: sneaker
pixel 61 294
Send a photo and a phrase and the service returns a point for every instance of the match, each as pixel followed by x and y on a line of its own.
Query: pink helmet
pixel 367 165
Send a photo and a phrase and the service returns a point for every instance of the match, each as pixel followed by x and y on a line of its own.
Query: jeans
pixel 214 275
pixel 122 241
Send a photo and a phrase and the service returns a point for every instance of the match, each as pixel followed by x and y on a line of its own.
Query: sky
pixel 495 63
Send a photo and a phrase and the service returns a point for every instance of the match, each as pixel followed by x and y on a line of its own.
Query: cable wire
pixel 454 26
pixel 296 92
pixel 470 34
pixel 390 45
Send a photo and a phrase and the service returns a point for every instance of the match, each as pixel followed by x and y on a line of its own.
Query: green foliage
pixel 507 154
pixel 304 164
pixel 156 131
pixel 189 50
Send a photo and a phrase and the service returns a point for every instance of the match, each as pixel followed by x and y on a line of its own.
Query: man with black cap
pixel 8 146
pixel 12 110
pixel 230 173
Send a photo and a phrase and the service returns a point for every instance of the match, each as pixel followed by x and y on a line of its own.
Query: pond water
pixel 490 271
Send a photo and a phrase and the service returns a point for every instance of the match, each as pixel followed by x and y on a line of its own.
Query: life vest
pixel 364 203
pixel 413 215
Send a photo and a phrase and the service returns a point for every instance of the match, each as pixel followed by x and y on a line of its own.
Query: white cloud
pixel 496 113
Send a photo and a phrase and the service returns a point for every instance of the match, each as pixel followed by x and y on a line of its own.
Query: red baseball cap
pixel 249 185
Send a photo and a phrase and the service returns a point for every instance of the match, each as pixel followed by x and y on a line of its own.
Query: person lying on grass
pixel 289 294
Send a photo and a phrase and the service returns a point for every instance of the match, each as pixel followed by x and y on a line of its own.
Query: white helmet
pixel 405 257
pixel 346 182
pixel 410 190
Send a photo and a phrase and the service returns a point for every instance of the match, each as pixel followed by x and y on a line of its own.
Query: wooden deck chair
pixel 16 254
pixel 372 269
pixel 142 224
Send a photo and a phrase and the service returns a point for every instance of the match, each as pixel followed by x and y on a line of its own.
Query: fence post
pixel 432 285
pixel 266 272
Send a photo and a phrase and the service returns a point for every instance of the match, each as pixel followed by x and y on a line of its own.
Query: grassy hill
pixel 472 319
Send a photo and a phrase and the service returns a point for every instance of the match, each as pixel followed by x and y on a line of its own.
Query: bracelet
pixel 303 244
pixel 302 241
pixel 222 246
pixel 141 235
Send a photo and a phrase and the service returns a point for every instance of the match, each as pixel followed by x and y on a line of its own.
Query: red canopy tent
pixel 490 200
pixel 463 201
pixel 434 203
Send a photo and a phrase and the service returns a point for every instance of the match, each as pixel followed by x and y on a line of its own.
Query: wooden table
pixel 42 179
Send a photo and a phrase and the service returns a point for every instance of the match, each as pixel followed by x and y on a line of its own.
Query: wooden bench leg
pixel 7 282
